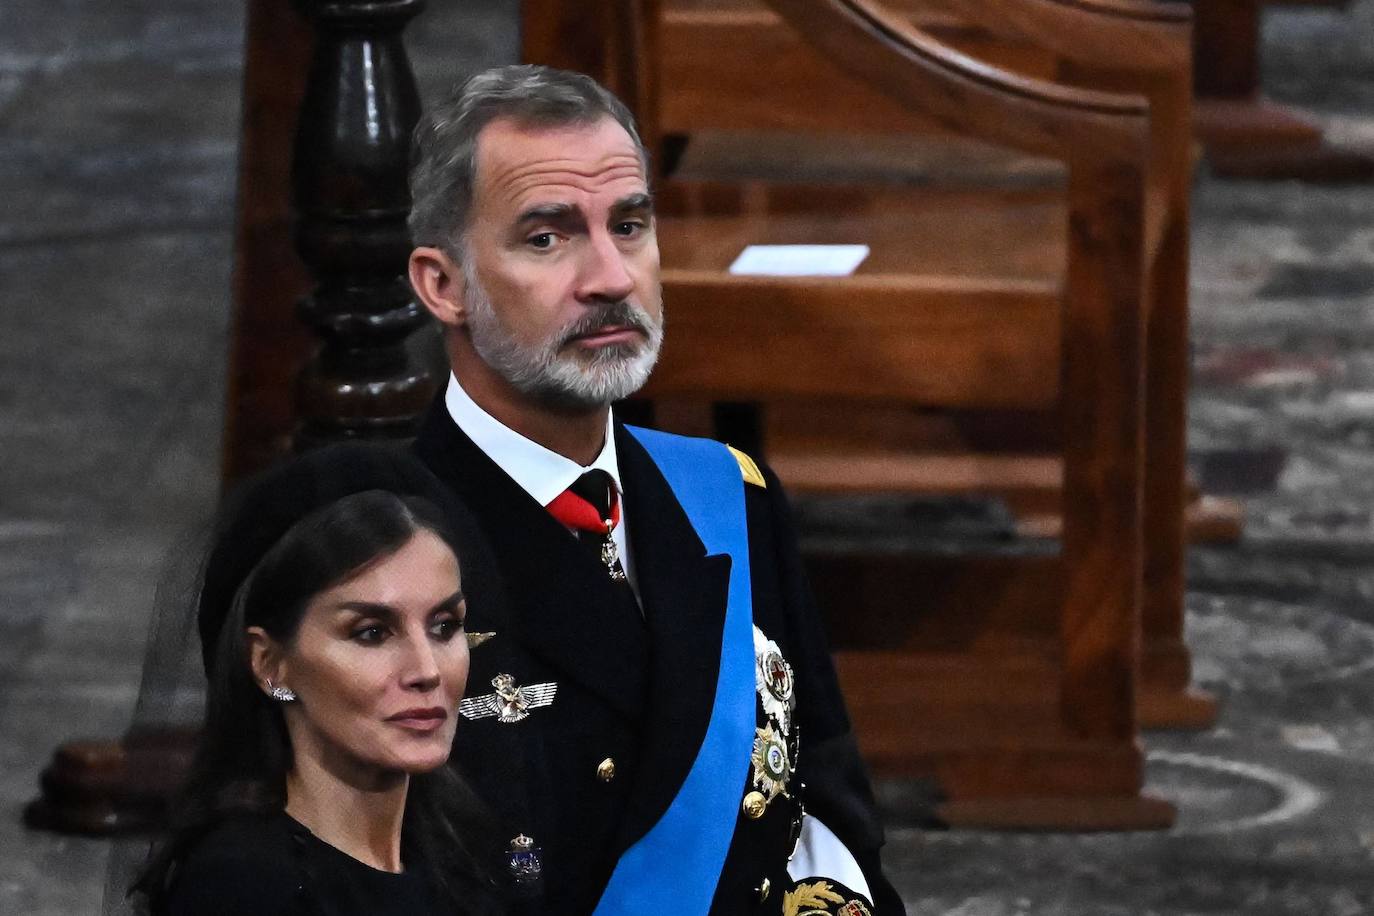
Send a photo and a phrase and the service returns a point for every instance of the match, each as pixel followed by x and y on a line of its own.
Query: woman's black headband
pixel 257 513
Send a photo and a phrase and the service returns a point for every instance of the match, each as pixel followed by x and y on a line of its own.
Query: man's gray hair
pixel 443 166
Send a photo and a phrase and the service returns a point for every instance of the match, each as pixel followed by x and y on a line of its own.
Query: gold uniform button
pixel 754 805
pixel 605 770
pixel 764 889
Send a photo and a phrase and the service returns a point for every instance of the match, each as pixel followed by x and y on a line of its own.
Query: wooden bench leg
pixel 1245 135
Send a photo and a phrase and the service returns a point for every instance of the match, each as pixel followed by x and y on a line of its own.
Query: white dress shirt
pixel 540 472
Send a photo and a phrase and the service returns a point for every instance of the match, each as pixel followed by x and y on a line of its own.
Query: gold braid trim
pixel 821 898
pixel 811 899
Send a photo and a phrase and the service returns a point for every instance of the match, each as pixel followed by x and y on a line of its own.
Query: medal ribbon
pixel 675 866
pixel 575 512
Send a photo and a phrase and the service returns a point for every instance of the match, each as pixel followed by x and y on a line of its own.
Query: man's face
pixel 561 273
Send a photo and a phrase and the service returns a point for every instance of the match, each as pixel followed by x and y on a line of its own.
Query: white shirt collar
pixel 540 472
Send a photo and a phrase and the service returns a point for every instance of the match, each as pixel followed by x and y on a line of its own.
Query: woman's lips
pixel 421 720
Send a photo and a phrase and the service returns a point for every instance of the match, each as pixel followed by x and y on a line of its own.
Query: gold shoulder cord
pixel 748 468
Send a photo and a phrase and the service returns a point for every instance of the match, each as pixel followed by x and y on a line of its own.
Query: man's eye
pixel 629 227
pixel 542 240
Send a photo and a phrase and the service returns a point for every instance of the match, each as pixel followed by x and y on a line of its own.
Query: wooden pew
pixel 1144 47
pixel 1245 134
pixel 1025 713
pixel 728 77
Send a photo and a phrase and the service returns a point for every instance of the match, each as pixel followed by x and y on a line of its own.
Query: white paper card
pixel 799 260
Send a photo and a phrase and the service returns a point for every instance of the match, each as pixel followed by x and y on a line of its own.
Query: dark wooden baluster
pixel 351 200
pixel 266 342
pixel 1245 134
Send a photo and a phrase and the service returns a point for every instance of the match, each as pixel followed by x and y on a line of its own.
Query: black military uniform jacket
pixel 637 689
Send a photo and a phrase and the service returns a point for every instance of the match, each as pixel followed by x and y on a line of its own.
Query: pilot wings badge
pixel 510 703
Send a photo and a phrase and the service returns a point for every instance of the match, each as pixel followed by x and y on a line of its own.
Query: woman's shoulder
pixel 244 865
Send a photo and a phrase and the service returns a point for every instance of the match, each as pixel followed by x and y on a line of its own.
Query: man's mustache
pixel 614 314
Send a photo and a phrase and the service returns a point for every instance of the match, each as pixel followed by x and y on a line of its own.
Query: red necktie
pixel 591 507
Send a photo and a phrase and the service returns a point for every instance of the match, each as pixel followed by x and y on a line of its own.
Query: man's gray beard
pixel 543 374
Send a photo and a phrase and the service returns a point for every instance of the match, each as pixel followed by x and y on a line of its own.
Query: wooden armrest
pixel 1135 34
pixel 965 95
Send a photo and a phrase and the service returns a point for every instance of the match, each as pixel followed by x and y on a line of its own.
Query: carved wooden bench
pixel 1013 680
pixel 737 95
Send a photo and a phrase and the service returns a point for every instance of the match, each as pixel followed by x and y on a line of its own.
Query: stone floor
pixel 117 141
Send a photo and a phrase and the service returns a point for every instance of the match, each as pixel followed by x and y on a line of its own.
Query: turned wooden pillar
pixel 351 200
pixel 1226 38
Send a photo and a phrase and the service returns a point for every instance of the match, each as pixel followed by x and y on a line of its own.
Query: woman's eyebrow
pixel 387 612
pixel 449 603
pixel 368 609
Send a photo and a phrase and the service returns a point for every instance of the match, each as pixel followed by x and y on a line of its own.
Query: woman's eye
pixel 369 634
pixel 446 629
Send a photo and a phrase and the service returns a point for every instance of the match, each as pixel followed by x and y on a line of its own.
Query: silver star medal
pixel 510 703
pixel 774 682
pixel 772 766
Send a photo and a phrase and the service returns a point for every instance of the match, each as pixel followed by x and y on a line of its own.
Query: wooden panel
pixel 878 597
pixel 913 714
pixel 1135 35
pixel 939 342
pixel 986 237
pixel 931 702
pixel 966 95
pixel 859 472
pixel 845 426
pixel 760 67
pixel 929 160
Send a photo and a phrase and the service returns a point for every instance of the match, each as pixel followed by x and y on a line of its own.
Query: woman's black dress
pixel 274 866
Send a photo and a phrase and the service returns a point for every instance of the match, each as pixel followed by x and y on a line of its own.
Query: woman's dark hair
pixel 244 753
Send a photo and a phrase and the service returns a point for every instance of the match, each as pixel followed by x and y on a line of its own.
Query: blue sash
pixel 674 868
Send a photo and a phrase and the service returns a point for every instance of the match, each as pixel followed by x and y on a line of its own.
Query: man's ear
pixel 266 659
pixel 438 283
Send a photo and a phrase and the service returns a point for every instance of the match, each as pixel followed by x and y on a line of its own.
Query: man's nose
pixel 604 275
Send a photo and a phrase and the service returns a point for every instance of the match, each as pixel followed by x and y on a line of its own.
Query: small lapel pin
pixel 523 859
pixel 476 639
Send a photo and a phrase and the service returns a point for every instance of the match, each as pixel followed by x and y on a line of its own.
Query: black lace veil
pixel 203 574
